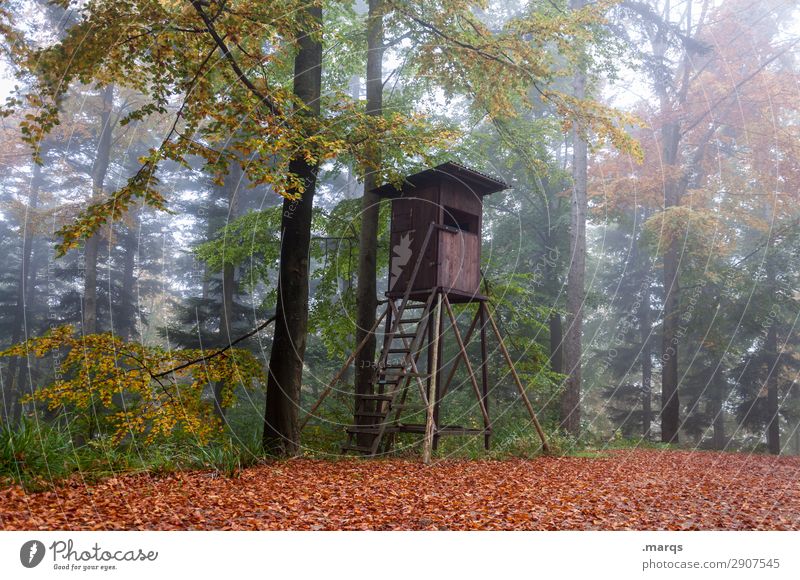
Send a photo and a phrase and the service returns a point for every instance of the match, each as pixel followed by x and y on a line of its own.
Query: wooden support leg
pixel 520 388
pixel 439 392
pixel 454 366
pixel 465 356
pixel 433 371
pixel 485 375
pixel 429 364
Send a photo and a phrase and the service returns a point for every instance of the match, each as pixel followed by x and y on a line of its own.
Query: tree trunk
pixel 556 343
pixel 773 358
pixel 12 408
pixel 24 377
pixel 773 416
pixel 670 140
pixel 366 293
pixel 90 284
pixel 647 361
pixel 281 435
pixel 129 307
pixel 99 170
pixel 571 397
pixel 231 186
pixel 670 406
pixel 797 439
pixel 718 435
pixel 353 185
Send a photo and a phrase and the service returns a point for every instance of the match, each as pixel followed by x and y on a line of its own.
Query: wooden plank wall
pixel 411 216
pixel 452 260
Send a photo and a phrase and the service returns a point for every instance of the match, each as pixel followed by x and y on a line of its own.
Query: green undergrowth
pixel 37 456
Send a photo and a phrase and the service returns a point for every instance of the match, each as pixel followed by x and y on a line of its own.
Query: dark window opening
pixel 459 219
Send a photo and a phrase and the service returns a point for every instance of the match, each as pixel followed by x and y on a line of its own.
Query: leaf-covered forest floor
pixel 640 489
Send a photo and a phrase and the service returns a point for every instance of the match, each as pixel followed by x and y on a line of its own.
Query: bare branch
pixel 217 352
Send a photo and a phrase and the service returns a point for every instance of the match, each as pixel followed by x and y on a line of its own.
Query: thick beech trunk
pixel 718 438
pixel 556 343
pixel 129 306
pixel 281 433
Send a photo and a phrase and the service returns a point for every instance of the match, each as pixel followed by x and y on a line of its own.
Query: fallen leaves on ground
pixel 624 490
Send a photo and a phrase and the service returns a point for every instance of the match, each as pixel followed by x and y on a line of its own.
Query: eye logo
pixel 31 553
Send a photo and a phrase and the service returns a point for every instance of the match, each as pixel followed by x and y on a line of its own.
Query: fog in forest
pixel 166 164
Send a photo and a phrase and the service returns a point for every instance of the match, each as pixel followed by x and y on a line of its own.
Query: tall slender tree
pixel 25 283
pixel 231 188
pixel 576 277
pixel 366 293
pixel 99 171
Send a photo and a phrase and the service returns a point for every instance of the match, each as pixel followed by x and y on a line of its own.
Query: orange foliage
pixel 739 149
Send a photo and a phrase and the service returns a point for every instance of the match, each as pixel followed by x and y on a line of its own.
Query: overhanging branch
pixel 265 99
pixel 217 352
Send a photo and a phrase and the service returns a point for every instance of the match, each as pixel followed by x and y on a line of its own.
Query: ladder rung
pixel 405 335
pixel 370 414
pixel 371 397
pixel 403 375
pixel 410 320
pixel 398 350
pixel 366 430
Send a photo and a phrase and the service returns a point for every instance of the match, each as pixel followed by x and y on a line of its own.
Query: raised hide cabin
pixel 449 197
pixel 435 261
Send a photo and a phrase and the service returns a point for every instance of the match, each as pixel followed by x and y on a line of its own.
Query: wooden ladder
pixel 396 367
